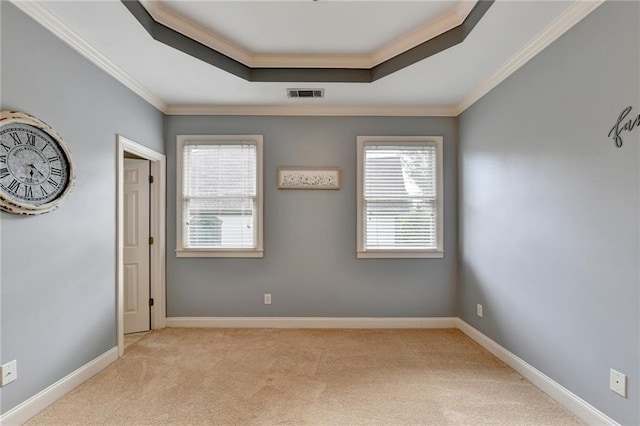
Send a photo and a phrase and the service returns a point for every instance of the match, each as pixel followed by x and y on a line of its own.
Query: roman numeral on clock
pixel 3 158
pixel 54 158
pixel 28 192
pixel 16 138
pixel 31 139
pixel 44 191
pixel 56 172
pixel 4 172
pixel 14 185
pixel 53 183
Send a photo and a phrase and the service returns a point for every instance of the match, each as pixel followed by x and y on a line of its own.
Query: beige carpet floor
pixel 306 377
pixel 130 339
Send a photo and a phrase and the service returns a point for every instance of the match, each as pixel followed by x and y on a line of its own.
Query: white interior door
pixel 136 246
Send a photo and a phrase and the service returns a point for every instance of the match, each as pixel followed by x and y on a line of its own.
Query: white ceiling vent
pixel 305 93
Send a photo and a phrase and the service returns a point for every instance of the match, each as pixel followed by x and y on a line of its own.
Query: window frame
pixel 255 252
pixel 361 251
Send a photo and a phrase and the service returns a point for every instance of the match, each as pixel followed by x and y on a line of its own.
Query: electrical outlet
pixel 479 309
pixel 618 382
pixel 267 298
pixel 9 372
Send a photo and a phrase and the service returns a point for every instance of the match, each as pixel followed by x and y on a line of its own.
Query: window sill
pixel 400 254
pixel 219 253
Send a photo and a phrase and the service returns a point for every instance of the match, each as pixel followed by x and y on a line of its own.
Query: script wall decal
pixel 623 125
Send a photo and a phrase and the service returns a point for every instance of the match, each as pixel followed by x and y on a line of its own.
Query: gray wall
pixel 549 211
pixel 58 270
pixel 548 225
pixel 310 264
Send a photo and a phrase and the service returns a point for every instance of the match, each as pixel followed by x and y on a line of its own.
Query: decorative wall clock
pixel 36 172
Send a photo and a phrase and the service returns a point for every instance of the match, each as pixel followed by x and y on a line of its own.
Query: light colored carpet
pixel 130 339
pixel 306 377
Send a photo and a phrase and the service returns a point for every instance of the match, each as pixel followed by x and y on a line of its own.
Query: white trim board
pixel 315 110
pixel 310 322
pixel 32 406
pixel 559 393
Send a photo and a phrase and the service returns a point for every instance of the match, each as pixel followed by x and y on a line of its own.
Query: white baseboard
pixel 311 322
pixel 562 395
pixel 32 406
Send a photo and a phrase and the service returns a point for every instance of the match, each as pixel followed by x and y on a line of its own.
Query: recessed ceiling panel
pixel 181 39
pixel 311 27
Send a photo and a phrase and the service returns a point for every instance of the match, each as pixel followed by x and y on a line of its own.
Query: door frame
pixel 158 204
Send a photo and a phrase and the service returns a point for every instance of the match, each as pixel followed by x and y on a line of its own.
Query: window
pixel 219 196
pixel 400 210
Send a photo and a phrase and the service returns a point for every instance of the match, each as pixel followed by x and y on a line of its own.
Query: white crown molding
pixel 314 110
pixel 562 395
pixel 273 60
pixel 48 20
pixel 574 14
pixel 32 406
pixel 197 32
pixel 311 322
pixel 429 30
pixel 464 8
pixel 174 20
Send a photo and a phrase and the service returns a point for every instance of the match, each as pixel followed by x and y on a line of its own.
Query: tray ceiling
pixel 508 35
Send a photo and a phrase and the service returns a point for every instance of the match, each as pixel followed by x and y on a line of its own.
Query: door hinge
pixel 151 302
pixel 150 240
pixel 150 179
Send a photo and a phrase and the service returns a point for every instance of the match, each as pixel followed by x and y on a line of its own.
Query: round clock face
pixel 35 171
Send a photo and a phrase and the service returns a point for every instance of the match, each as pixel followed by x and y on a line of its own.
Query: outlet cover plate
pixel 9 372
pixel 618 382
pixel 479 310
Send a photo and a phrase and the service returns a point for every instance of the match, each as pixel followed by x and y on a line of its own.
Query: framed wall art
pixel 309 177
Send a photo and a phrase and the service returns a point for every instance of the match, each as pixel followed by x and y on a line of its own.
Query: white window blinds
pixel 399 196
pixel 219 183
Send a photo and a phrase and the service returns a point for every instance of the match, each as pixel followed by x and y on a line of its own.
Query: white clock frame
pixel 11 206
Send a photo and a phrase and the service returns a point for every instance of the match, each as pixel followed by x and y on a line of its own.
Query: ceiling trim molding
pixel 198 50
pixel 269 60
pixel 433 28
pixel 426 32
pixel 315 110
pixel 168 17
pixel 171 19
pixel 48 20
pixel 436 45
pixel 574 14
